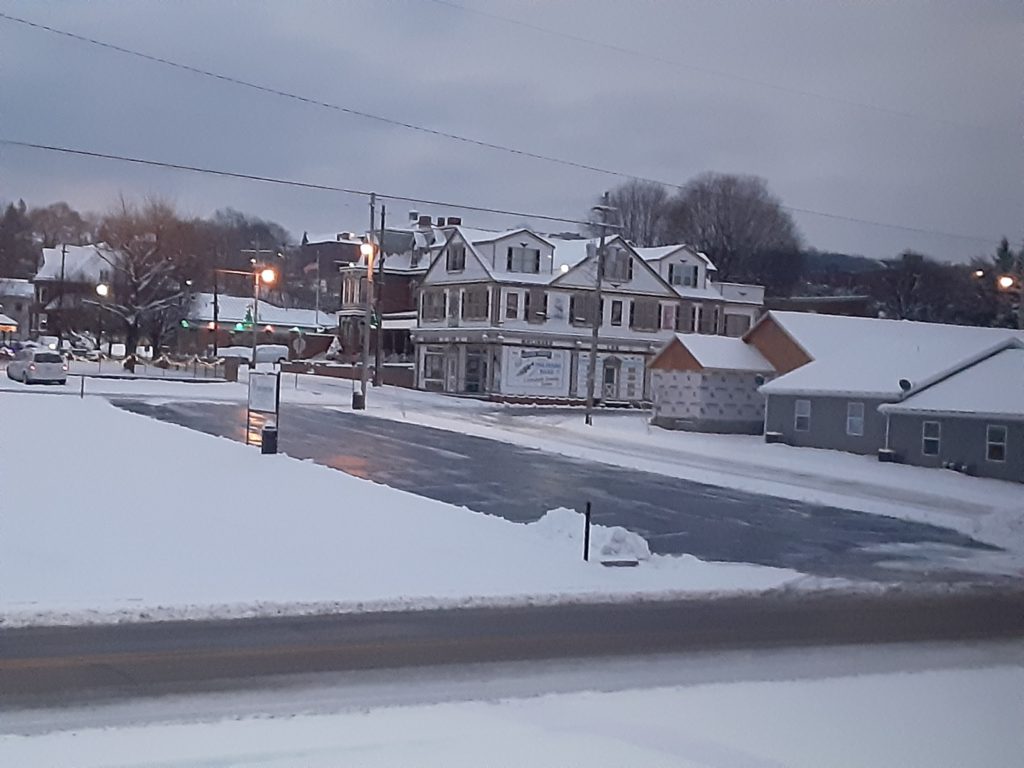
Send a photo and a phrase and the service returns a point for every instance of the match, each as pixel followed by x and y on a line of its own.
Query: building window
pixel 616 312
pixel 931 436
pixel 643 315
pixel 474 304
pixel 736 325
pixel 581 308
pixel 535 305
pixel 433 305
pixel 995 443
pixel 618 266
pixel 523 259
pixel 668 317
pixel 433 365
pixel 511 305
pixel 455 260
pixel 855 419
pixel 802 416
pixel 682 274
pixel 685 318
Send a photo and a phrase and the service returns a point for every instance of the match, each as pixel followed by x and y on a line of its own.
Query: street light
pixel 268 276
pixel 103 290
pixel 1006 282
pixel 979 273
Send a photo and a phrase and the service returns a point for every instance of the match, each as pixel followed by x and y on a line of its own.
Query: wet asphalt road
pixel 676 516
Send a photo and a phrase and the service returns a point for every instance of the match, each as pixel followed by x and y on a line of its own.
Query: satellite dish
pixel 905 385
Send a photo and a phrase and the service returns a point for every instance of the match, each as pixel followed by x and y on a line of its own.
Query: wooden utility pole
pixel 368 307
pixel 377 378
pixel 602 210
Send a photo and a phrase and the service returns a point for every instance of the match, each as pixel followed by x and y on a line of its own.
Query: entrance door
pixel 610 390
pixel 476 372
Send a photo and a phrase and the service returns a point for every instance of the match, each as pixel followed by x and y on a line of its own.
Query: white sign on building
pixel 533 371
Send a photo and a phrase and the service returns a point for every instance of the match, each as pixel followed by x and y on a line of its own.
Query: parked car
pixel 38 365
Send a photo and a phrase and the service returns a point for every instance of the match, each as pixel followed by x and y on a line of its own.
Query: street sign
pixel 263 392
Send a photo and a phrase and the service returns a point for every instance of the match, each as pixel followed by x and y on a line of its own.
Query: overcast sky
pixel 937 148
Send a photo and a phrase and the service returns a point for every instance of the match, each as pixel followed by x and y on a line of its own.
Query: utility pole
pixel 216 303
pixel 377 381
pixel 60 298
pixel 368 304
pixel 255 252
pixel 602 210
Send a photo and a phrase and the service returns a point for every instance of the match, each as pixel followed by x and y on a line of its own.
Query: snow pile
pixel 606 543
pixel 174 540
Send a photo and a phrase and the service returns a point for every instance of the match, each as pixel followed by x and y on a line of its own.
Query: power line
pixel 637 53
pixel 286 182
pixel 318 103
pixel 426 201
pixel 452 136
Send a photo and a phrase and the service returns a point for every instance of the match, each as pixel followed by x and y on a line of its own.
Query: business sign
pixel 263 392
pixel 536 371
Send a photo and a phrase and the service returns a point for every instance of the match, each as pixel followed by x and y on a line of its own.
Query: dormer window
pixel 618 267
pixel 455 259
pixel 523 259
pixel 682 274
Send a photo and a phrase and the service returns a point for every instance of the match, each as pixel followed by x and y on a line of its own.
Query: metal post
pixel 586 534
pixel 602 210
pixel 368 308
pixel 377 301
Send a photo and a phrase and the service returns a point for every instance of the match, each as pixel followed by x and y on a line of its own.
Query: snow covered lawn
pixel 932 718
pixel 110 516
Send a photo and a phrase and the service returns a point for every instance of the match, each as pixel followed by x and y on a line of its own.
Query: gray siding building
pixel 842 423
pixel 971 421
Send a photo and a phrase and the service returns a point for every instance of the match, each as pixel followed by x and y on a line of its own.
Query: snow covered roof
pixel 233 309
pixel 865 356
pixel 657 253
pixel 990 388
pixel 332 237
pixel 724 353
pixel 12 286
pixel 82 264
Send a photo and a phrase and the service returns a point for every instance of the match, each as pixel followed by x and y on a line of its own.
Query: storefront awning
pixel 8 324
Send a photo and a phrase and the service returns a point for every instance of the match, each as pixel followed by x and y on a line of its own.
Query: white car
pixel 37 365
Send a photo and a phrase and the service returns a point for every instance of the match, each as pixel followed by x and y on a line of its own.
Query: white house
pixel 511 313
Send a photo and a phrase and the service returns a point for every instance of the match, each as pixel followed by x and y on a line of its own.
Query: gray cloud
pixel 954 165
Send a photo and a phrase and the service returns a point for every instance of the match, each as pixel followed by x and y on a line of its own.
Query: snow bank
pixel 172 539
pixel 606 543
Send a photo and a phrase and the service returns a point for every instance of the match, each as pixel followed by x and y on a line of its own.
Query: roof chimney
pixel 414 217
pixel 424 221
pixel 454 221
pixel 440 221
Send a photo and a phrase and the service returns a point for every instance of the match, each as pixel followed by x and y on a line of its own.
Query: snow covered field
pixel 900 706
pixel 110 516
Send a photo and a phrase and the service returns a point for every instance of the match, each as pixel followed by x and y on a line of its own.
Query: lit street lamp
pixel 103 290
pixel 1006 282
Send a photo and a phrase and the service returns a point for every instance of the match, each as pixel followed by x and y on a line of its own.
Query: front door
pixel 610 390
pixel 476 372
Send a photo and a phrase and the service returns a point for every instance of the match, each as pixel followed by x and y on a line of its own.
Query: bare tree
pixel 144 249
pixel 731 218
pixel 641 207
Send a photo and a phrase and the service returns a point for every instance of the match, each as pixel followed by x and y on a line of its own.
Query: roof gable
pixel 645 278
